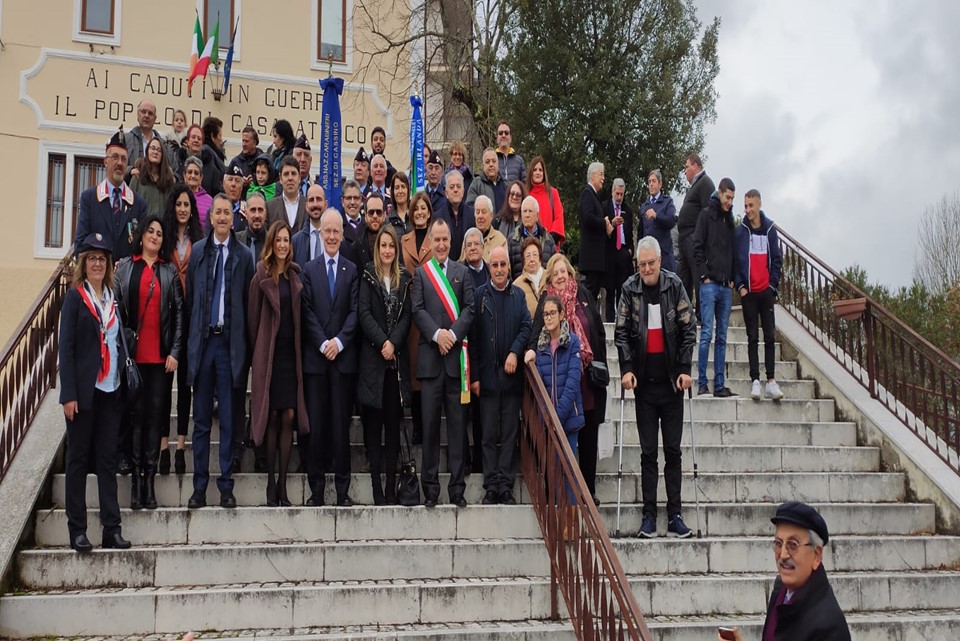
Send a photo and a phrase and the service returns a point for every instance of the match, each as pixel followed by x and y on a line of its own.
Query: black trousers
pixel 98 427
pixel 473 457
pixel 758 310
pixel 587 439
pixel 660 409
pixel 442 392
pixel 500 415
pixel 619 270
pixel 329 400
pixel 184 398
pixel 150 421
pixel 384 423
pixel 687 270
pixel 594 282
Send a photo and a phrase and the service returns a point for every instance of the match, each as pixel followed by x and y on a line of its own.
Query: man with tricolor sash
pixel 443 311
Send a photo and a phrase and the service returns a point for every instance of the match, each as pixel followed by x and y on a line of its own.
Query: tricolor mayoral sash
pixel 438 278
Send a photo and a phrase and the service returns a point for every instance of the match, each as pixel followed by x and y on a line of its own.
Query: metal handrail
pixel 28 365
pixel 584 567
pixel 915 380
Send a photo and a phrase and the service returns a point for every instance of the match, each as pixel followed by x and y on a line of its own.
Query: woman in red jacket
pixel 551 209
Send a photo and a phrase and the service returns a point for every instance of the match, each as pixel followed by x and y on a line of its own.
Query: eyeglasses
pixel 793 546
pixel 648 264
pixel 500 263
pixel 374 212
pixel 551 314
pixel 351 198
pixel 503 132
pixel 96 260
pixel 116 157
pixel 514 194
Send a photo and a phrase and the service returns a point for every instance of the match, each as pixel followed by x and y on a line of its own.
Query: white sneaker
pixel 755 391
pixel 773 391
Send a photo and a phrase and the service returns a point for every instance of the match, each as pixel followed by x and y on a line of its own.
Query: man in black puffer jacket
pixel 713 248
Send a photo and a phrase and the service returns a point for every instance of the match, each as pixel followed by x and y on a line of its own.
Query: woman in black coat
pixel 583 316
pixel 91 362
pixel 384 383
pixel 150 299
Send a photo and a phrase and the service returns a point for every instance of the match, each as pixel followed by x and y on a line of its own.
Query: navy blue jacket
pixel 660 226
pixel 486 363
pixel 199 284
pixel 325 319
pixel 301 247
pixel 79 352
pixel 561 373
pixel 741 253
pixel 465 219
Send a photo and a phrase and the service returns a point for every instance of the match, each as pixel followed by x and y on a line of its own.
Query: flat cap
pixel 302 143
pixel 802 515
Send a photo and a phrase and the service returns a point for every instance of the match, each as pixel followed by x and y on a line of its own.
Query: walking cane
pixel 620 463
pixel 696 472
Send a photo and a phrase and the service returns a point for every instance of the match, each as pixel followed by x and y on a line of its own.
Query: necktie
pixel 619 230
pixel 116 200
pixel 313 243
pixel 304 184
pixel 331 276
pixel 217 286
pixel 442 265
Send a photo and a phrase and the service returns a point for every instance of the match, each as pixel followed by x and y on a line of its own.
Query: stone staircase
pixel 482 572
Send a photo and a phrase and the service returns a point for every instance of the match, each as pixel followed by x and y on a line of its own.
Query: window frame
pixel 236 10
pixel 71 152
pixel 111 38
pixel 322 64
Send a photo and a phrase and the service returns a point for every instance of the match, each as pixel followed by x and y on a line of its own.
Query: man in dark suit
pixel 331 296
pixel 362 248
pixel 695 201
pixel 593 232
pixel 111 209
pixel 443 311
pixel 618 217
pixel 435 186
pixel 308 242
pixel 218 279
pixel 351 202
pixel 290 205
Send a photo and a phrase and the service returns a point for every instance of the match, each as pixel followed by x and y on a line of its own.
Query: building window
pixel 68 176
pixel 97 17
pixel 97 21
pixel 212 9
pixel 332 30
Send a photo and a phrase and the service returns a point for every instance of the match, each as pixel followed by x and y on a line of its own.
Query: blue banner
pixel 417 182
pixel 330 174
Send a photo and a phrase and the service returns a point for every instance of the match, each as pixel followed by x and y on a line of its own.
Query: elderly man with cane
pixel 655 336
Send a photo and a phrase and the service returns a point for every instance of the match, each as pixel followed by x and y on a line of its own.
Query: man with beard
pixel 290 205
pixel 308 243
pixel 362 248
pixel 256 231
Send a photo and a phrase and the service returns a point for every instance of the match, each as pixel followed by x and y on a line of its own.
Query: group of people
pixel 427 301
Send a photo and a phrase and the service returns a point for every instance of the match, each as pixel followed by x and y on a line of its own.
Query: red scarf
pixel 568 297
pixel 104 324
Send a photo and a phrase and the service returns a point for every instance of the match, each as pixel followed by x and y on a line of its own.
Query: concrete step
pixel 711 458
pixel 890 625
pixel 709 431
pixel 207 565
pixel 250 489
pixel 175 526
pixel 736 369
pixel 278 604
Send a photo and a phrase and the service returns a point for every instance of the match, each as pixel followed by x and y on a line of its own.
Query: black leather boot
pixel 136 489
pixel 148 495
pixel 378 498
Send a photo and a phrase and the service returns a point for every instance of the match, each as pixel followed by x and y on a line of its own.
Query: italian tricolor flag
pixel 202 53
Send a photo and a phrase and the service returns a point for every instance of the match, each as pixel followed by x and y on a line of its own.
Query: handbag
pixel 131 373
pixel 598 373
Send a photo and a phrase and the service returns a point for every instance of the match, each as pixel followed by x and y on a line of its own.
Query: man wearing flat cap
pixel 301 151
pixel 361 170
pixel 233 182
pixel 802 605
pixel 111 209
pixel 435 187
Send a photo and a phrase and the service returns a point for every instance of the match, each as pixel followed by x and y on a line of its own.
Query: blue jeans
pixel 715 303
pixel 213 374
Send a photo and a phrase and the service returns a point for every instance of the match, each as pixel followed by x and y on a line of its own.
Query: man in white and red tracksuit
pixel 757 263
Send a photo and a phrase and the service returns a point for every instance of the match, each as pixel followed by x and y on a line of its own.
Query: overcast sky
pixel 846 117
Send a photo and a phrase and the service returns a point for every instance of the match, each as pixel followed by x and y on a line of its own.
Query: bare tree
pixel 937 263
pixel 451 48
